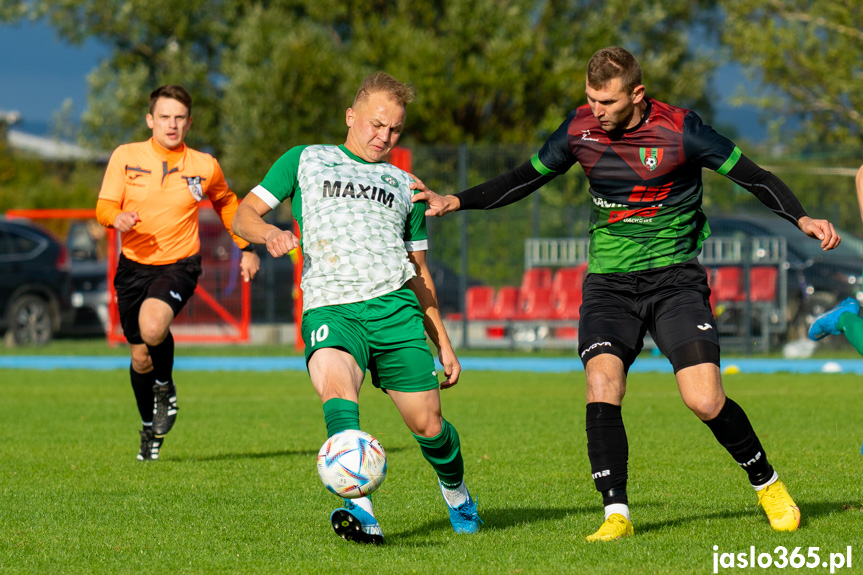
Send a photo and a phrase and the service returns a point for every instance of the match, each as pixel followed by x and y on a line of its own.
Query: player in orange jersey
pixel 151 193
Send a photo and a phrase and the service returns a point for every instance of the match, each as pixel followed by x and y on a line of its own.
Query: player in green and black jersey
pixel 368 296
pixel 643 160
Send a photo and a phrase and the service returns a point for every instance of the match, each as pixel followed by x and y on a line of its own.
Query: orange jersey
pixel 164 187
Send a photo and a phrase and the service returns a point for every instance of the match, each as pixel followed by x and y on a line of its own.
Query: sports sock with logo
pixel 443 451
pixel 852 326
pixel 341 414
pixel 142 385
pixel 608 451
pixel 734 432
pixel 163 359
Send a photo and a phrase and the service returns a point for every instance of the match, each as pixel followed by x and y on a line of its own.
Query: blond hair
pixel 383 82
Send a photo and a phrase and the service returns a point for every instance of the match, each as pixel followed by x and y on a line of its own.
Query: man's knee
pixel 428 425
pixel 706 407
pixel 606 379
pixel 141 360
pixel 154 321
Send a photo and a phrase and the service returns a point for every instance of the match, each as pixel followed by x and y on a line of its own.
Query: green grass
pixel 237 492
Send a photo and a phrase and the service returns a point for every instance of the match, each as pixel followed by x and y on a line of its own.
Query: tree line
pixel 268 75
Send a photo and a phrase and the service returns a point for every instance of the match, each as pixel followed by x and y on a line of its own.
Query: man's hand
pixel 249 265
pixel 451 367
pixel 821 230
pixel 280 242
pixel 125 221
pixel 437 205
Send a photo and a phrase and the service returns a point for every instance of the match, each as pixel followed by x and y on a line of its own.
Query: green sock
pixel 341 414
pixel 444 453
pixel 852 326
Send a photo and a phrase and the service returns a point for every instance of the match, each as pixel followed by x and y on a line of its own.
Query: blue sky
pixel 46 71
pixel 43 72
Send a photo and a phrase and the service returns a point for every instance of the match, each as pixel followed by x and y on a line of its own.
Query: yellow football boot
pixel 615 527
pixel 783 513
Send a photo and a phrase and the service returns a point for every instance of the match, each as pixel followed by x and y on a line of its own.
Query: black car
pixel 35 283
pixel 817 280
pixel 89 271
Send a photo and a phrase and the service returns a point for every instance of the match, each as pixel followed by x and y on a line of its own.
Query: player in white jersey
pixel 368 296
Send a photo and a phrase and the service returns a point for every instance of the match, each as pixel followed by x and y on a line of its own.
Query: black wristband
pixel 248 248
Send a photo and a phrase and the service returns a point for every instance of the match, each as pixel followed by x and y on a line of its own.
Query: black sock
pixel 142 385
pixel 608 451
pixel 162 356
pixel 734 432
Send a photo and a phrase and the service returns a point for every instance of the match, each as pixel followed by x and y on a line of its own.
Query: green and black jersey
pixel 645 181
pixel 357 222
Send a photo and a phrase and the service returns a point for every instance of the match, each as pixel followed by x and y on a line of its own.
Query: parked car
pixel 35 283
pixel 817 280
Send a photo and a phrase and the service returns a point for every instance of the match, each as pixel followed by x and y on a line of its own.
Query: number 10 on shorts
pixel 319 334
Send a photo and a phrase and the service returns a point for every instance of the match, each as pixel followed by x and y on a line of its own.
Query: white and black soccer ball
pixel 352 463
pixel 650 162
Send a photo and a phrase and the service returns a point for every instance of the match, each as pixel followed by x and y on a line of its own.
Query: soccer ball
pixel 352 464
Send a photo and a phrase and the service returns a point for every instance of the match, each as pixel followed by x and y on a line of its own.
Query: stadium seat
pixel 505 303
pixel 762 283
pixel 535 278
pixel 570 278
pixel 567 303
pixel 727 283
pixel 479 302
pixel 536 304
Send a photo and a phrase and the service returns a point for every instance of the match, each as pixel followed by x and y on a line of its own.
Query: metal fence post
pixel 462 284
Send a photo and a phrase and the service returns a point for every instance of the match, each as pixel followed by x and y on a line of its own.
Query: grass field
pixel 236 490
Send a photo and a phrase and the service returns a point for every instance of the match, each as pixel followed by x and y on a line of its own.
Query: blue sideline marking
pixel 527 364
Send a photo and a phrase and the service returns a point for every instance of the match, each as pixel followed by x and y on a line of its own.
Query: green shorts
pixel 384 335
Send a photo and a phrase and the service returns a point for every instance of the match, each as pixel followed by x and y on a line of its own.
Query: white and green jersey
pixel 357 222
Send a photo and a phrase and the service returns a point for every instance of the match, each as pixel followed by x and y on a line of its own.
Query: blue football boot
pixel 825 324
pixel 354 523
pixel 464 518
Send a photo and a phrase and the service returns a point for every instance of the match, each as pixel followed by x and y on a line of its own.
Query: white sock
pixel 364 503
pixel 455 497
pixel 768 483
pixel 619 508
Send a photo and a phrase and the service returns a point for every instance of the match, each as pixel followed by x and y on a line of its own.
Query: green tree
pixel 152 42
pixel 272 74
pixel 807 56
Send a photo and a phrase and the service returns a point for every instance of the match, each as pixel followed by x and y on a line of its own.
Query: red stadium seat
pixel 479 302
pixel 727 283
pixel 536 304
pixel 567 279
pixel 567 304
pixel 505 303
pixel 762 283
pixel 535 278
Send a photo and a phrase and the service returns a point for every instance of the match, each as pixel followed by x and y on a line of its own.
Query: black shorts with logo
pixel 172 283
pixel 671 303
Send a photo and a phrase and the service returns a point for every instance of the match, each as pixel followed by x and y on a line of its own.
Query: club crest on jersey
pixel 650 157
pixel 194 183
pixel 388 179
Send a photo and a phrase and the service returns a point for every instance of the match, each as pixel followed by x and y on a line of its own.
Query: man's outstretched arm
pixel 497 192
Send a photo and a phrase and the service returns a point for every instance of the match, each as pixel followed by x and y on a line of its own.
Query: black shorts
pixel 172 283
pixel 671 303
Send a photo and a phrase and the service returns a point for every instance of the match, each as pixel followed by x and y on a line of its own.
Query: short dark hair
pixel 383 82
pixel 174 92
pixel 610 63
